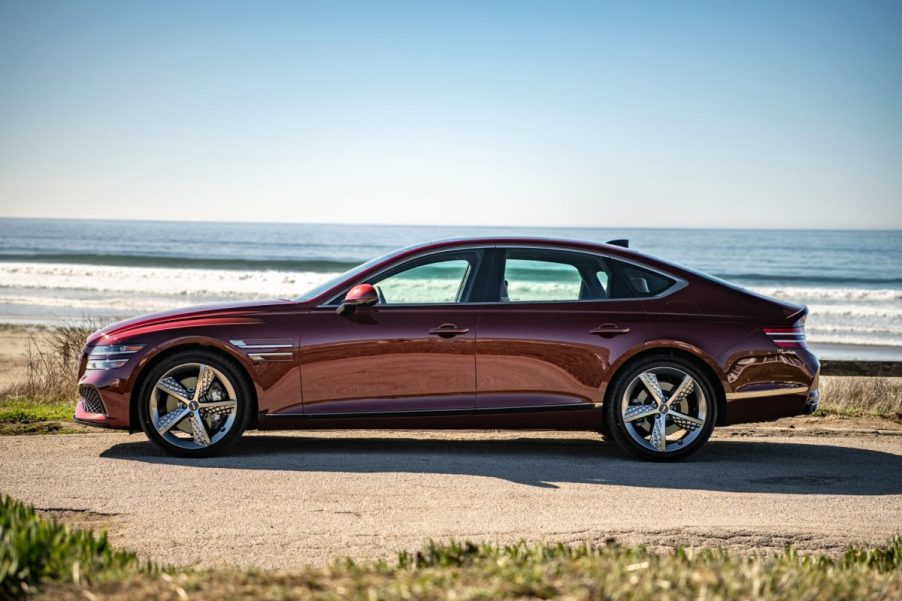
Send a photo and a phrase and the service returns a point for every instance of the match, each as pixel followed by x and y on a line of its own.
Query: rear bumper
pixel 812 403
pixel 762 408
pixel 773 385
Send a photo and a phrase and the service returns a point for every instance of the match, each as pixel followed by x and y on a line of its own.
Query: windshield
pixel 314 292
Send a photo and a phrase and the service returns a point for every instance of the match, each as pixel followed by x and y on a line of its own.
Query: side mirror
pixel 361 295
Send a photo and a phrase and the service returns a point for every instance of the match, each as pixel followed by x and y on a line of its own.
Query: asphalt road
pixel 281 501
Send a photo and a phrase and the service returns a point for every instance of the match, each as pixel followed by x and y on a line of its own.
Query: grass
pixel 20 415
pixel 861 396
pixel 34 550
pixel 42 557
pixel 27 411
pixel 466 571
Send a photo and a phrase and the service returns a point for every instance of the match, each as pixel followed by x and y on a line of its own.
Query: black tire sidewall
pixel 232 371
pixel 614 417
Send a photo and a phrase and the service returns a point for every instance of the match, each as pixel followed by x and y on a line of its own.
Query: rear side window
pixel 532 280
pixel 545 275
pixel 644 282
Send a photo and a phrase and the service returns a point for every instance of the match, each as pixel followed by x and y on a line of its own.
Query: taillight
pixel 787 337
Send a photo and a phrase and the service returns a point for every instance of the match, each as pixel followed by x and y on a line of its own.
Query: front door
pixel 551 337
pixel 414 351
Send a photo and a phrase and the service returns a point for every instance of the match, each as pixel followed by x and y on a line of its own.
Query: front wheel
pixel 661 408
pixel 194 404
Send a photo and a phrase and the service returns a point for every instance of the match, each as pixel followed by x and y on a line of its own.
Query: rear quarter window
pixel 644 282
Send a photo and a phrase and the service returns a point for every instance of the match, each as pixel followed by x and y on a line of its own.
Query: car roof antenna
pixel 620 242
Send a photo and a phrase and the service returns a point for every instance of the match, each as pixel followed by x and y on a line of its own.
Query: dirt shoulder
pixel 815 425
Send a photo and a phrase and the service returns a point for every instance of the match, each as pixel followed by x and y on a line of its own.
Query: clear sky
pixel 681 114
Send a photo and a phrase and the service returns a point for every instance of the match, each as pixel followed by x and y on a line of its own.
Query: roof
pixel 525 240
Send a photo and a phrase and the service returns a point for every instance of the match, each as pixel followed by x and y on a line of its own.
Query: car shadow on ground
pixel 723 465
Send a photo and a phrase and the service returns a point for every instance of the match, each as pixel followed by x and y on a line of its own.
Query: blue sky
pixel 680 114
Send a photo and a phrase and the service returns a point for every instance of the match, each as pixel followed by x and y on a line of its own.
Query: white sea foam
pixel 158 280
pixel 815 293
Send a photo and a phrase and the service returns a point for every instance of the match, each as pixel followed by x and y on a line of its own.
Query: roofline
pixel 501 240
pixel 539 241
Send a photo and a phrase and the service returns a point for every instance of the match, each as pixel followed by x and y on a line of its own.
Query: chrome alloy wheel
pixel 193 405
pixel 664 409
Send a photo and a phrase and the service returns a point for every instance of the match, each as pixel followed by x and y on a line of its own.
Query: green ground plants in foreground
pixel 46 559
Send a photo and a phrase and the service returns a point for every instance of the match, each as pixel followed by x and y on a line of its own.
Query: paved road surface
pixel 281 501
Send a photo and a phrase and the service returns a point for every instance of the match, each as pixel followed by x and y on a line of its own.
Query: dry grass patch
pixel 52 363
pixel 43 402
pixel 858 396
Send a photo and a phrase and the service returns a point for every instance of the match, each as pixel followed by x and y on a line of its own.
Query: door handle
pixel 608 330
pixel 448 330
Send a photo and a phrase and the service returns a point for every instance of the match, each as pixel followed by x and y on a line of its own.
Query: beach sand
pixel 14 342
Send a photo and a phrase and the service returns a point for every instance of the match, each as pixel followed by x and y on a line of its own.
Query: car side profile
pixel 494 333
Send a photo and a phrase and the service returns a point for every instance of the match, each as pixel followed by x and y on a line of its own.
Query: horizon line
pixel 457 225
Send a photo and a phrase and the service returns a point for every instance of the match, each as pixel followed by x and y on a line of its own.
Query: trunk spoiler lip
pixel 799 313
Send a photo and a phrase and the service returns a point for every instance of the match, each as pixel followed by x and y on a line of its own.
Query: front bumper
pixel 103 399
pixel 89 418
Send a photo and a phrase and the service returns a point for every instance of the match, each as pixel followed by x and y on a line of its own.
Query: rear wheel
pixel 661 408
pixel 194 404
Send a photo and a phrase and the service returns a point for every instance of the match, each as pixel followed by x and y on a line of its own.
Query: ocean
pixel 64 270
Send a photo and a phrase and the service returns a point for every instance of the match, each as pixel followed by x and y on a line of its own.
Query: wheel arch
pixel 672 351
pixel 168 351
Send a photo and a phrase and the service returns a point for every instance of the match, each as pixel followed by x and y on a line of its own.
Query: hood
pixel 236 312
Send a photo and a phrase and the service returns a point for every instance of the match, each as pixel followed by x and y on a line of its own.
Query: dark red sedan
pixel 468 333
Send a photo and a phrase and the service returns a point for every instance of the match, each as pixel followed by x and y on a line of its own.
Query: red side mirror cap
pixel 361 295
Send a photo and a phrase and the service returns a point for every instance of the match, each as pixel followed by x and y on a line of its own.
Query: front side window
pixel 441 280
pixel 553 276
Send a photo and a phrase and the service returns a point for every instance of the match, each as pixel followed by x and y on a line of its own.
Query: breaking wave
pixel 183 262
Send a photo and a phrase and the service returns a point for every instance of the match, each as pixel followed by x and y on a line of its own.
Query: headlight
pixel 111 356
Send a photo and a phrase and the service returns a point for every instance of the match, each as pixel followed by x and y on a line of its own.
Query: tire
pixel 605 430
pixel 689 411
pixel 188 425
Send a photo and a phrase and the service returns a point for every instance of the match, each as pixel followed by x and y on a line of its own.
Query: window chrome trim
pixel 679 282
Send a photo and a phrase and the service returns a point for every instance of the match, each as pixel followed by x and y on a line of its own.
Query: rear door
pixel 553 330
